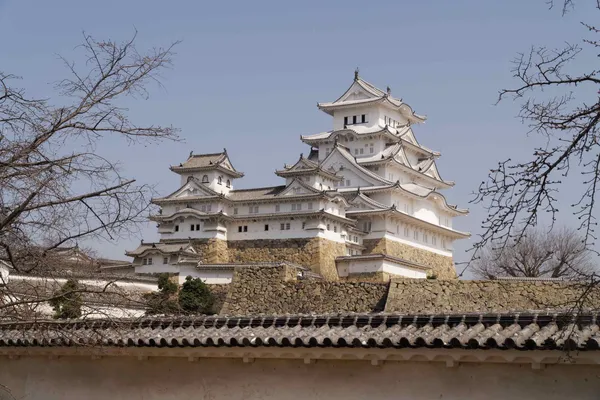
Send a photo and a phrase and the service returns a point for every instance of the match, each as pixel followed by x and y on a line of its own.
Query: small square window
pixel 266 227
pixel 303 225
pixel 240 228
pixel 328 227
pixel 282 226
pixel 150 261
pixel 197 227
pixel 363 118
pixel 361 151
pixel 310 206
pixel 235 211
pixel 245 228
pixel 192 227
pixel 287 226
pixel 345 120
pixel 176 228
pixel 335 228
pixel 354 119
pixel 371 150
pixel 144 261
pixel 355 151
pixel 165 260
pixel 276 207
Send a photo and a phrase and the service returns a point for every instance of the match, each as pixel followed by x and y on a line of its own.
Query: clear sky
pixel 248 74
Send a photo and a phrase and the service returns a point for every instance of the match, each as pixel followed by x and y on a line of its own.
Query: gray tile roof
pixel 503 331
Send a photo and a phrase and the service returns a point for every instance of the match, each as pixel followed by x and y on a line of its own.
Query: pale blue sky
pixel 247 76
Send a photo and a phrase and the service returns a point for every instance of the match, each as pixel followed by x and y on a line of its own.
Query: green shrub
pixel 67 302
pixel 195 296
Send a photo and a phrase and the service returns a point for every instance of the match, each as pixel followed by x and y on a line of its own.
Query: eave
pixel 436 182
pixel 304 172
pixel 380 256
pixel 412 220
pixel 183 170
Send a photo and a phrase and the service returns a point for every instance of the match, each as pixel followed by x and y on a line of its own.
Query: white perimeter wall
pixel 157 378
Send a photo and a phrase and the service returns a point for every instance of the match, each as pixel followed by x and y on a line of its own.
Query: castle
pixel 365 202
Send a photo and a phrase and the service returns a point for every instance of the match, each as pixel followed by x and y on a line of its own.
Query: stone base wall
pixel 410 296
pixel 214 251
pixel 276 290
pixel 441 266
pixel 316 253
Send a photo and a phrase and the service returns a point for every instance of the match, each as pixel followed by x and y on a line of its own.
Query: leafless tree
pixel 55 188
pixel 559 253
pixel 563 105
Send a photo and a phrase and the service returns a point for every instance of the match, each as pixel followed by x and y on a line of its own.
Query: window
pixel 220 180
pixel 328 227
pixel 354 119
pixel 192 226
pixel 416 235
pixel 397 229
pixel 406 231
pixel 282 226
pixel 425 238
pixel 296 206
pixel 205 179
pixel 347 182
pixel 310 206
pixel 345 120
pixel 367 226
pixel 144 261
pixel 434 240
pixel 253 209
pixel 149 260
pixel 266 227
pixel 203 208
pixel 371 149
pixel 176 228
pixel 303 225
pixel 355 151
pixel 352 138
pixel 361 151
pixel 287 226
pixel 240 228
pixel 235 211
pixel 243 228
pixel 335 228
pixel 277 207
pixel 228 183
pixel 363 118
pixel 165 260
pixel 197 227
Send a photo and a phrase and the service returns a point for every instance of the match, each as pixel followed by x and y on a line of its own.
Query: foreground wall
pixel 163 378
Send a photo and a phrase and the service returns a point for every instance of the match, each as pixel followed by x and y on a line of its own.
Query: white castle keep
pixel 365 202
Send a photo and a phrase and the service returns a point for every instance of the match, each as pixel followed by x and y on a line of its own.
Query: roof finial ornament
pixel 389 90
pixel 191 153
pixel 301 156
pixel 356 74
pixel 224 150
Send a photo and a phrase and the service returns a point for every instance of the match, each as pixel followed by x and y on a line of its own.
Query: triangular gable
pixel 401 157
pixel 407 134
pixel 339 157
pixel 297 187
pixel 359 91
pixel 192 188
pixel 302 164
pixel 363 202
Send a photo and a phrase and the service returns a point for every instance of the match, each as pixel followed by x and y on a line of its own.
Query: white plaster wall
pixel 127 378
pixel 401 270
pixel 131 285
